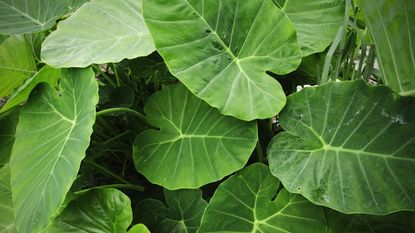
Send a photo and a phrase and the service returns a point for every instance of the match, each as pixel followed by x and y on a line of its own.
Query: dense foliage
pixel 205 116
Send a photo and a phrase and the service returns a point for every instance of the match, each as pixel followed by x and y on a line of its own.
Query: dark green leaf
pixel 196 145
pixel 8 124
pixel 6 203
pixel 98 210
pixel 181 215
pixel 245 203
pixel 349 147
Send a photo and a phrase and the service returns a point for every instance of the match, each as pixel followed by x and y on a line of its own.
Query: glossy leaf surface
pixel 316 22
pixel 46 75
pixel 27 16
pixel 391 24
pixel 196 145
pixel 182 214
pixel 101 31
pixel 51 138
pixel 16 63
pixel 244 203
pixel 221 49
pixel 349 147
pixel 98 210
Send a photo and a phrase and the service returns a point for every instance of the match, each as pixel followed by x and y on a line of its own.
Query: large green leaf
pixel 349 147
pixel 51 138
pixel 182 214
pixel 391 24
pixel 8 124
pixel 47 74
pixel 221 50
pixel 28 16
pixel 401 222
pixel 245 203
pixel 100 31
pixel 6 203
pixel 98 210
pixel 16 63
pixel 139 228
pixel 316 22
pixel 196 145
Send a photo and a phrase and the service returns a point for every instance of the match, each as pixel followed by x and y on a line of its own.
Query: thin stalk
pixel 116 137
pixel 117 186
pixel 106 77
pixel 117 76
pixel 259 152
pixel 107 172
pixel 370 62
pixel 123 110
pixel 329 55
pixel 362 47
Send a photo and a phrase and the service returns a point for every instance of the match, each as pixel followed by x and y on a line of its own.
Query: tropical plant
pixel 205 116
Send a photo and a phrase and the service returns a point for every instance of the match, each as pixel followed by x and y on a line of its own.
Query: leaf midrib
pixel 24 14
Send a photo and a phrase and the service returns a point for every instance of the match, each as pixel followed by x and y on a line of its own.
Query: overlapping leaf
pixel 98 210
pixel 51 138
pixel 16 63
pixel 243 203
pixel 196 145
pixel 6 203
pixel 221 50
pixel 27 16
pixel 101 31
pixel 349 147
pixel 8 123
pixel 316 22
pixel 45 75
pixel 182 214
pixel 391 24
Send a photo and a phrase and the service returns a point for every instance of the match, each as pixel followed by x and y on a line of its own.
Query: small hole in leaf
pixel 208 31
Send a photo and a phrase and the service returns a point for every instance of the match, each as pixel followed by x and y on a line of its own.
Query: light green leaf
pixel 349 147
pixel 245 203
pixel 8 124
pixel 221 50
pixel 401 222
pixel 101 31
pixel 6 203
pixel 46 74
pixel 391 24
pixel 316 23
pixel 51 138
pixel 98 210
pixel 196 145
pixel 27 16
pixel 139 228
pixel 182 214
pixel 16 63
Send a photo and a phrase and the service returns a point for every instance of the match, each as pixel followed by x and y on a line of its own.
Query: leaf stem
pixel 124 110
pixel 106 171
pixel 259 152
pixel 117 76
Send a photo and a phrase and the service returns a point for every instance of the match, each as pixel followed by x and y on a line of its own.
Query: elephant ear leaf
pixel 182 213
pixel 221 51
pixel 349 147
pixel 195 145
pixel 245 203
pixel 51 138
pixel 97 210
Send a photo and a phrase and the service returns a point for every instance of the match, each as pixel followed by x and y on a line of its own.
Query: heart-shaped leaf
pixel 221 50
pixel 196 145
pixel 51 138
pixel 244 203
pixel 349 147
pixel 97 210
pixel 101 31
pixel 182 214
